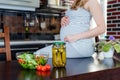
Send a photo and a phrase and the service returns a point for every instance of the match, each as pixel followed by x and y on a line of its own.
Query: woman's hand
pixel 64 21
pixel 71 38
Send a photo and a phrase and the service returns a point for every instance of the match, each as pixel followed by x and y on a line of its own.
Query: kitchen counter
pixel 76 69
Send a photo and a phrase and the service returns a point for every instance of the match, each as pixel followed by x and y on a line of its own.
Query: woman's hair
pixel 78 3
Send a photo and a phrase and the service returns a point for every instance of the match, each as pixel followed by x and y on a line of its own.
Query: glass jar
pixel 58 54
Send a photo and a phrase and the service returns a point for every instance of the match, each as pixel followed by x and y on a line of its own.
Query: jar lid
pixel 59 43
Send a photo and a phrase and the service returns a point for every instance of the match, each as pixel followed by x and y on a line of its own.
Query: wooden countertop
pixel 76 69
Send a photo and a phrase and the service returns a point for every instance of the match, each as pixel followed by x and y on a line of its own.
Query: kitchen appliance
pixel 28 5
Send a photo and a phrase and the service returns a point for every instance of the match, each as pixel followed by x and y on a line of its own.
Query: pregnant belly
pixel 72 29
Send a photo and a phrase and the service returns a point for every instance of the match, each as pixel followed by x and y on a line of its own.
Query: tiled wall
pixel 113 18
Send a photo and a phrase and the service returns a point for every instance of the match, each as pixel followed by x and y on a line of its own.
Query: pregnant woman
pixel 75 28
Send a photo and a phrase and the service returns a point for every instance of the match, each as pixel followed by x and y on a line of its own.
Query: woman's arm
pixel 96 12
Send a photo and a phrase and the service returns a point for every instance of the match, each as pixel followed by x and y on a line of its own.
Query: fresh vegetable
pixel 20 61
pixel 39 67
pixel 41 60
pixel 44 68
pixel 47 67
pixel 30 61
pixel 26 60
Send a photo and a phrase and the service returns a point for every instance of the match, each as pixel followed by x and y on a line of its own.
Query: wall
pixel 113 18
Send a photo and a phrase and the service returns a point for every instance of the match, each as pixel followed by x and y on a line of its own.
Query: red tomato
pixel 39 67
pixel 48 67
pixel 44 68
pixel 20 60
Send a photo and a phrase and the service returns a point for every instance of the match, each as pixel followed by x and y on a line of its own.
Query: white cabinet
pixel 19 4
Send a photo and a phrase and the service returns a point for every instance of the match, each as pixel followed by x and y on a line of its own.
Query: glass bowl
pixel 41 58
pixel 28 60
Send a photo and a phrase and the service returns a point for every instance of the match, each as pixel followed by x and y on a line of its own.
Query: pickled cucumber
pixel 64 58
pixel 54 52
pixel 59 59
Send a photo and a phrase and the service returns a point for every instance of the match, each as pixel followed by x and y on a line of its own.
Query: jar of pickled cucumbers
pixel 58 54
